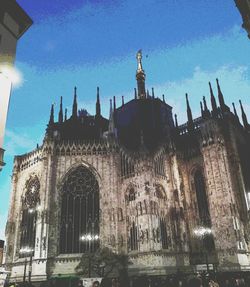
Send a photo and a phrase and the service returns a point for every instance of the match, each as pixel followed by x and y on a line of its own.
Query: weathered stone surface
pixel 129 193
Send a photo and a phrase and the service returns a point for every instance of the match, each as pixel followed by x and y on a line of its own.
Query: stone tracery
pixel 30 201
pixel 79 230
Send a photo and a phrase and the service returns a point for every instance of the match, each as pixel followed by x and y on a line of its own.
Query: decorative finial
pixel 139 60
pixel 244 117
pixel 74 108
pixel 176 121
pixel 98 105
pixel 123 100
pixel 202 112
pixel 221 97
pixel 235 111
pixel 190 122
pixel 110 109
pixel 153 93
pixel 51 119
pixel 213 102
pixel 65 115
pixel 205 103
pixel 206 110
pixel 110 102
pixel 163 98
pixel 60 115
pixel 140 76
pixel 114 103
pixel 111 119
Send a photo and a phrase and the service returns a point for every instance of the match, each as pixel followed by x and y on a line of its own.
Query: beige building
pixel 173 198
pixel 13 24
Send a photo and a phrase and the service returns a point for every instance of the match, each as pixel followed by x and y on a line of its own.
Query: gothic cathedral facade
pixel 170 196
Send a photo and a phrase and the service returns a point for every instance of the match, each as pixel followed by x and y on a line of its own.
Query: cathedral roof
pixel 145 122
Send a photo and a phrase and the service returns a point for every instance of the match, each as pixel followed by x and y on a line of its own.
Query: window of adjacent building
pixel 79 231
pixel 30 201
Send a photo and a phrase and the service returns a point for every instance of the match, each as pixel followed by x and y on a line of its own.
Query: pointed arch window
pixel 79 231
pixel 201 196
pixel 163 232
pixel 30 201
pixel 133 238
pixel 130 194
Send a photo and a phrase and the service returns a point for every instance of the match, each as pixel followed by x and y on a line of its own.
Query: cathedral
pixel 171 197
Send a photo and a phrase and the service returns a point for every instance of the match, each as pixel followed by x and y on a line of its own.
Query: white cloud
pixel 234 84
pixel 233 81
pixel 16 142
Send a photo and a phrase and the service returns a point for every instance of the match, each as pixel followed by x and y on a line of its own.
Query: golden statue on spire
pixel 140 76
pixel 139 57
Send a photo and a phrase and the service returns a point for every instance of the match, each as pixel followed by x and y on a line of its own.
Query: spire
pixel 114 103
pixel 110 109
pixel 206 110
pixel 135 93
pixel 163 98
pixel 190 121
pixel 244 117
pixel 213 102
pixel 176 121
pixel 140 76
pixel 123 100
pixel 221 97
pixel 65 115
pixel 74 108
pixel 111 119
pixel 235 112
pixel 153 93
pixel 51 119
pixel 60 115
pixel 98 105
pixel 202 112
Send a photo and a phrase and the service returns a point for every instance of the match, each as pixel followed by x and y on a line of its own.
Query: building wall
pixel 117 171
pixel 13 23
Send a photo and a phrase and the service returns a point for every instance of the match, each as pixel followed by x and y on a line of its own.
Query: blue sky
pixel 93 43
